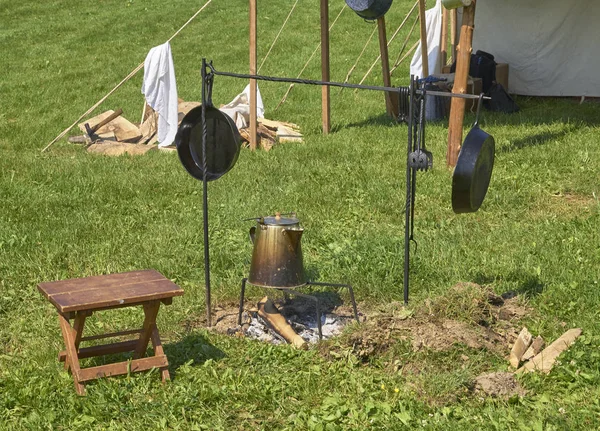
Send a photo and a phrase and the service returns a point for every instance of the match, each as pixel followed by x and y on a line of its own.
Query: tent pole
pixel 457 106
pixel 444 38
pixel 325 76
pixel 424 57
pixel 453 19
pixel 391 99
pixel 253 120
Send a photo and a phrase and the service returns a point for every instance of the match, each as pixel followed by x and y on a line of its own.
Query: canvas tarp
pixel 551 46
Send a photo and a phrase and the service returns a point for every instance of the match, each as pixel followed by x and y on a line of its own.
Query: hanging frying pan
pixel 473 169
pixel 223 142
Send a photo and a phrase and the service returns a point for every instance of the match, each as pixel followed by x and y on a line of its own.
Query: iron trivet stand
pixel 293 291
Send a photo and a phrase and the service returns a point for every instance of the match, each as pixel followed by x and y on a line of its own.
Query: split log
pixel 123 130
pixel 272 124
pixel 545 360
pixel 535 348
pixel 270 314
pixel 519 348
pixel 119 148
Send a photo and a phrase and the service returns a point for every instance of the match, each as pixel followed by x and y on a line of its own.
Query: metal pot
pixel 277 254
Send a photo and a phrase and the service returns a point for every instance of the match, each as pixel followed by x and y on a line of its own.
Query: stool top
pixel 106 291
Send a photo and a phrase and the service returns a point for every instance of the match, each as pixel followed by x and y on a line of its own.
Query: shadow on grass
pixel 528 284
pixel 534 140
pixel 193 347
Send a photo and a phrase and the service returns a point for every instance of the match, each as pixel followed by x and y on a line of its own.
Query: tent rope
pixel 390 41
pixel 398 59
pixel 284 98
pixel 359 57
pixel 277 37
pixel 409 52
pixel 127 78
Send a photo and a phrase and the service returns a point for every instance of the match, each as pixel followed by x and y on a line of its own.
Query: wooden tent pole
pixel 457 107
pixel 325 76
pixel 444 38
pixel 424 57
pixel 253 119
pixel 453 18
pixel 391 100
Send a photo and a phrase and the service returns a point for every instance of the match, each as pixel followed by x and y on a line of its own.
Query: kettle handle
pixel 252 234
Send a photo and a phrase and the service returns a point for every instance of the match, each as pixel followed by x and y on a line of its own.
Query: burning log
pixel 270 314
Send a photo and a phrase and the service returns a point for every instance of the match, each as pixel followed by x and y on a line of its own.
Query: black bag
pixel 501 100
pixel 482 66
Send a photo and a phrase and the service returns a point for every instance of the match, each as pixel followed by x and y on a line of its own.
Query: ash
pixel 302 317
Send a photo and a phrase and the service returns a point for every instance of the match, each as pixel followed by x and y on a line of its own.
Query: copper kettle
pixel 277 254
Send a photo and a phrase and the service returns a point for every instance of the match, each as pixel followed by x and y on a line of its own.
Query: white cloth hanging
pixel 239 108
pixel 160 91
pixel 433 23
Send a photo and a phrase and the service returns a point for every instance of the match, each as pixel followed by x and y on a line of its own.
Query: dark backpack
pixel 501 100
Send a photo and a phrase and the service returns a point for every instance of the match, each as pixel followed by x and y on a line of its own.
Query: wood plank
pixel 93 299
pixel 96 281
pixel 104 349
pixel 325 75
pixel 111 335
pixel 123 129
pixel 545 360
pixel 391 98
pixel 121 368
pixel 457 105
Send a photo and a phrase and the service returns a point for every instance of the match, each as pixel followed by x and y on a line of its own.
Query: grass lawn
pixel 66 213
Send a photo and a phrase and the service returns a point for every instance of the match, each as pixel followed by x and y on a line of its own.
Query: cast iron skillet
pixel 223 143
pixel 369 9
pixel 473 169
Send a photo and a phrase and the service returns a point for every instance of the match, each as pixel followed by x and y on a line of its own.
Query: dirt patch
pixel 564 205
pixel 498 385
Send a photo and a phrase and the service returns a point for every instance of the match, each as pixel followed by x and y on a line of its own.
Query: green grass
pixel 69 214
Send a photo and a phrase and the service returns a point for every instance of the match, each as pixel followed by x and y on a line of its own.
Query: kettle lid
pixel 278 220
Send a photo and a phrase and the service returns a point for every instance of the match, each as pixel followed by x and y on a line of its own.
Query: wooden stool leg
pixel 150 312
pixel 158 350
pixel 78 325
pixel 69 335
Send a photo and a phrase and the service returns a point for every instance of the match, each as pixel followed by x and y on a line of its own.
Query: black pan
pixel 223 143
pixel 473 170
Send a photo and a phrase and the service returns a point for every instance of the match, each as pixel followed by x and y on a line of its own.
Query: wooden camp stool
pixel 78 298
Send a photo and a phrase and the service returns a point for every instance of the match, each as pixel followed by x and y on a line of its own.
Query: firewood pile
pixel 112 134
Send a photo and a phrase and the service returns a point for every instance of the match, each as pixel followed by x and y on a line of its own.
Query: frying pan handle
pixel 252 234
pixel 476 124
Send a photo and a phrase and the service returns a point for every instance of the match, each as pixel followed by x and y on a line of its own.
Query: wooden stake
pixel 253 120
pixel 444 38
pixel 457 106
pixel 325 76
pixel 391 100
pixel 424 57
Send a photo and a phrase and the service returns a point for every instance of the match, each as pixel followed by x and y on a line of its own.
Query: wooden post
pixel 457 107
pixel 391 99
pixel 444 38
pixel 453 18
pixel 325 108
pixel 253 120
pixel 424 57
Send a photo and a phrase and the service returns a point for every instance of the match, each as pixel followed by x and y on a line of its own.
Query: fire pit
pixel 277 263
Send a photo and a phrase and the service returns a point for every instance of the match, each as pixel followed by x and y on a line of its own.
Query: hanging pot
pixel 223 143
pixel 473 169
pixel 369 9
pixel 277 254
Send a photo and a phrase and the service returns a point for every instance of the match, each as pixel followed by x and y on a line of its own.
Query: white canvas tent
pixel 552 46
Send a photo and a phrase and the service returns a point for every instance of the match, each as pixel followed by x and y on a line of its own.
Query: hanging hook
pixel 478 110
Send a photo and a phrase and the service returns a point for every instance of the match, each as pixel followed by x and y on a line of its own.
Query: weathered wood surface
pixel 270 314
pixel 544 361
pixel 521 345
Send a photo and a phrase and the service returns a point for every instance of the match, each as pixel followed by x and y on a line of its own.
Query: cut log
pixel 545 360
pixel 535 348
pixel 285 134
pixel 272 124
pixel 519 348
pixel 119 148
pixel 123 130
pixel 270 314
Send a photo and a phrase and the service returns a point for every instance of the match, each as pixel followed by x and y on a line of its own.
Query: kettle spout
pixel 294 234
